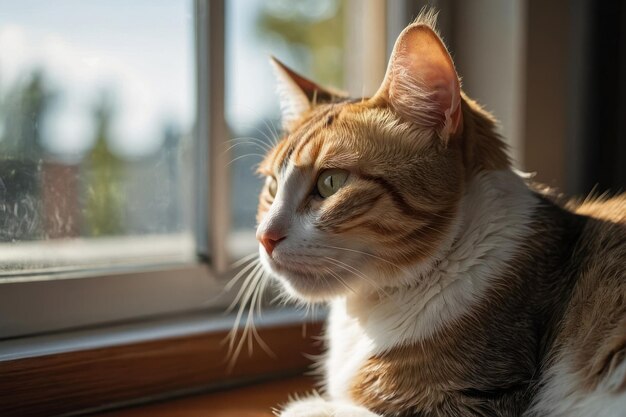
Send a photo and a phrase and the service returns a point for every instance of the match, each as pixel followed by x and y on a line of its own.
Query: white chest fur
pixel 349 348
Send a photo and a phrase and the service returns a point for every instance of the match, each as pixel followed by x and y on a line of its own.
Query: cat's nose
pixel 269 241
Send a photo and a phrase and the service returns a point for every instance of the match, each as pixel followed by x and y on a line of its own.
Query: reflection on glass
pixel 306 35
pixel 96 115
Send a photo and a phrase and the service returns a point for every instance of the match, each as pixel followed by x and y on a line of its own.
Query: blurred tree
pixel 314 32
pixel 22 111
pixel 104 176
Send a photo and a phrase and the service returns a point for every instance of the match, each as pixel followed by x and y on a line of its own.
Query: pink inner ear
pixel 429 62
pixel 421 82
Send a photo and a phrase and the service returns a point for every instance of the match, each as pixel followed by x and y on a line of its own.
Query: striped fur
pixel 457 288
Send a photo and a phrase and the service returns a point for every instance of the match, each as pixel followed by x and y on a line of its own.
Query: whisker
pixel 328 285
pixel 270 125
pixel 244 259
pixel 341 280
pixel 368 254
pixel 250 320
pixel 235 354
pixel 278 298
pixel 241 144
pixel 262 344
pixel 358 273
pixel 264 281
pixel 258 300
pixel 239 274
pixel 250 285
pixel 250 138
pixel 268 137
pixel 349 268
pixel 268 140
pixel 258 141
pixel 244 156
pixel 244 287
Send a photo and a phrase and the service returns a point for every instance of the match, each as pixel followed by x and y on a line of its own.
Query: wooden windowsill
pixel 256 400
pixel 112 376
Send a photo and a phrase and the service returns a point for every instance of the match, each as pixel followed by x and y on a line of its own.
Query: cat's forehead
pixel 350 134
pixel 304 143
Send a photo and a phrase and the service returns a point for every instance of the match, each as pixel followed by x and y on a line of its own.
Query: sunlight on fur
pixel 456 285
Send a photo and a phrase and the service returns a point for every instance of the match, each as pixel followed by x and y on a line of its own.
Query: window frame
pixel 109 295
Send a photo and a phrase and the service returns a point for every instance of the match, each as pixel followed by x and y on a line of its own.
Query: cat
pixel 456 286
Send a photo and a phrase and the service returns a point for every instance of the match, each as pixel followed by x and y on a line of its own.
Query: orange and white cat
pixel 456 287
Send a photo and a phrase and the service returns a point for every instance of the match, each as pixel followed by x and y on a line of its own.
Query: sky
pixel 250 81
pixel 143 52
pixel 250 88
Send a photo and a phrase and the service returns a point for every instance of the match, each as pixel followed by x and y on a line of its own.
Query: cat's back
pixel 601 285
pixel 610 209
pixel 587 371
pixel 602 246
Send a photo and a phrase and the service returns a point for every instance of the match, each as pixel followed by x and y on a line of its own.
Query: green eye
pixel 272 185
pixel 330 181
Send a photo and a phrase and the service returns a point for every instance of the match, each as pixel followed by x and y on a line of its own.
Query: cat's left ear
pixel 298 94
pixel 421 83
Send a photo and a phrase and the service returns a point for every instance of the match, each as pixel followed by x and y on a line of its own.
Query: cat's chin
pixel 305 285
pixel 303 291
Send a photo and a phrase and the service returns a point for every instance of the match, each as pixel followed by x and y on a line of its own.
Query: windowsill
pixel 255 400
pixel 144 331
pixel 42 306
pixel 25 261
pixel 99 369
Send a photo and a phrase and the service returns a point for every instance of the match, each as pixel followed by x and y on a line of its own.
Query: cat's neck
pixel 494 219
pixel 483 148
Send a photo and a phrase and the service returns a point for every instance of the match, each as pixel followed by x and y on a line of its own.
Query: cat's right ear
pixel 421 83
pixel 298 94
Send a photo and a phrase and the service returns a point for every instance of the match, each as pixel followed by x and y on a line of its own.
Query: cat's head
pixel 360 191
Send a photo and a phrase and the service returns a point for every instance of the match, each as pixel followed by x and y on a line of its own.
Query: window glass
pixel 97 107
pixel 308 36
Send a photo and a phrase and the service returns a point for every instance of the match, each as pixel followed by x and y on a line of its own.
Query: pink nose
pixel 270 241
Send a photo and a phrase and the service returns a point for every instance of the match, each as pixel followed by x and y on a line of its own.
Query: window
pixel 96 134
pixel 99 157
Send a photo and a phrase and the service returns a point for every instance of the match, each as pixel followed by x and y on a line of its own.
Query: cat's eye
pixel 272 185
pixel 330 181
